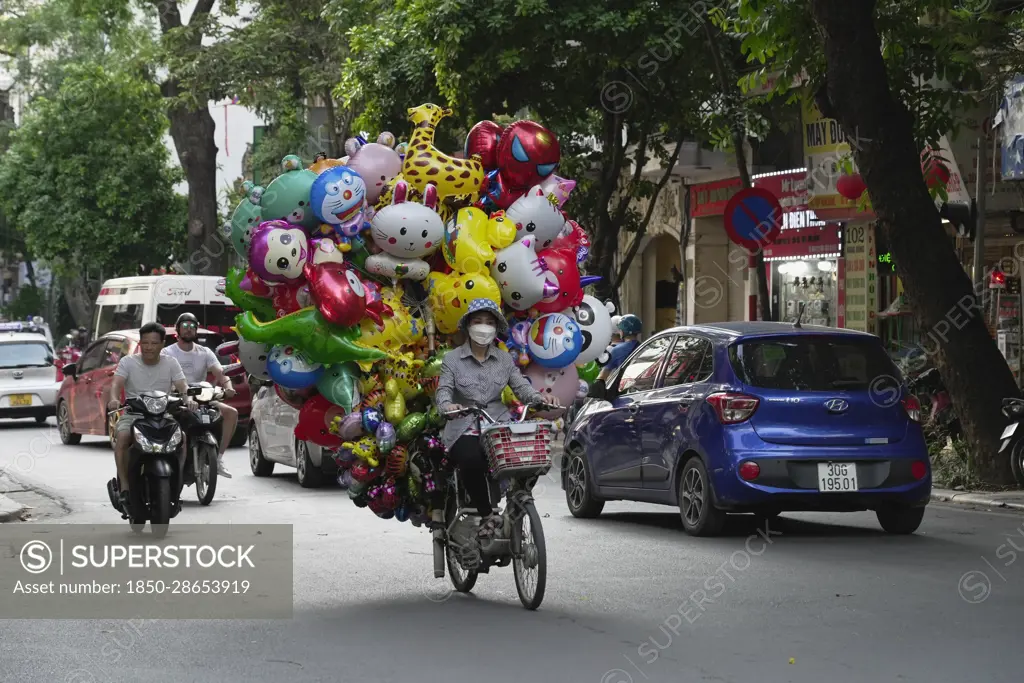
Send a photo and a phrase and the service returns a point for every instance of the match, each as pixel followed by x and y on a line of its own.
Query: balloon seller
pixel 387 285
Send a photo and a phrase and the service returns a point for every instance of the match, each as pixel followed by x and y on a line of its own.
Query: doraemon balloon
pixel 338 198
pixel 278 252
pixel 254 358
pixel 595 320
pixel 555 340
pixel 291 369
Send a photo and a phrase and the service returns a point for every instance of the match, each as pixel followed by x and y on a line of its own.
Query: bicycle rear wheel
pixel 530 561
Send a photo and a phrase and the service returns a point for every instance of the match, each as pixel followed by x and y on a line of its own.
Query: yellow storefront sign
pixel 861 278
pixel 825 144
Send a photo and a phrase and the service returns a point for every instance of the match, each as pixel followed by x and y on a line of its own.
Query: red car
pixel 82 399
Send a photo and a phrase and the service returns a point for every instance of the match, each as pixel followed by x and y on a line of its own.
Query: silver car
pixel 28 376
pixel 272 441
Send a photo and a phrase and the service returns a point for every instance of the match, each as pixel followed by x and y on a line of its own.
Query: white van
pixel 128 303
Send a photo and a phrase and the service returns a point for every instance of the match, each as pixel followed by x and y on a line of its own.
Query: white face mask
pixel 482 334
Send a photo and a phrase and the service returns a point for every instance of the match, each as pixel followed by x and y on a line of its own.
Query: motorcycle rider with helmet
pixel 197 362
pixel 629 328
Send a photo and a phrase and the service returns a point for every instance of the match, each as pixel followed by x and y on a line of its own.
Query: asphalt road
pixel 630 597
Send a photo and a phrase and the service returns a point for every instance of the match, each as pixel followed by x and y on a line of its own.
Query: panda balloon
pixel 595 321
pixel 254 358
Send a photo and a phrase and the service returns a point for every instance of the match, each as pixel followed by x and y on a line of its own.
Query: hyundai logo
pixel 836 405
pixel 18 374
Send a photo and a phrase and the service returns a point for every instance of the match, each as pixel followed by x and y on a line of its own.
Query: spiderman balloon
pixel 523 155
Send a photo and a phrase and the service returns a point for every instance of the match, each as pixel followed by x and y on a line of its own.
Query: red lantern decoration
pixel 851 186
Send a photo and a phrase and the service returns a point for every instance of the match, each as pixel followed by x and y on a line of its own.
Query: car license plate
pixel 837 477
pixel 1010 429
pixel 21 400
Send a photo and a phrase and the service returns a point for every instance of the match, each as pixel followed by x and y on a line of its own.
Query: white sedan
pixel 28 376
pixel 272 441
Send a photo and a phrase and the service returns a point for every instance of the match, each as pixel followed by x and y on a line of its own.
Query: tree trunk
pixel 80 295
pixel 731 94
pixel 857 93
pixel 193 134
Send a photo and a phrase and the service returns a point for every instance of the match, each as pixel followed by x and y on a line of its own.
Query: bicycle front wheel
pixel 530 563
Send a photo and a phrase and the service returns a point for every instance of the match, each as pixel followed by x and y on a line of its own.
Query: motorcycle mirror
pixel 69 370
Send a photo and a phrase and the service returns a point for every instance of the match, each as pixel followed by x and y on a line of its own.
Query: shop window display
pixel 811 285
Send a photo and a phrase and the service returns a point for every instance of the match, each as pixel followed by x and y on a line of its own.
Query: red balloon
pixel 576 239
pixel 252 283
pixel 527 154
pixel 375 306
pixel 562 264
pixel 294 397
pixel 483 140
pixel 337 292
pixel 851 186
pixel 314 418
pixel 287 297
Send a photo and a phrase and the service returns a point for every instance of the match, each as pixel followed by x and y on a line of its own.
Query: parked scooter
pixel 202 438
pixel 153 470
pixel 928 383
pixel 1013 437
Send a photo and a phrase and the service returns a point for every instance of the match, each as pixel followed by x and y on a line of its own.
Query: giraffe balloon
pixel 424 164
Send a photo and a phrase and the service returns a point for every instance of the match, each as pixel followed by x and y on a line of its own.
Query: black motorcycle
pixel 153 471
pixel 203 431
pixel 1013 437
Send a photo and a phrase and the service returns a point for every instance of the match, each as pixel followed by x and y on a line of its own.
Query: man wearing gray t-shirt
pixel 197 362
pixel 138 373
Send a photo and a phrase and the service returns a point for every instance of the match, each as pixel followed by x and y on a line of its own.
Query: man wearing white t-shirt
pixel 197 362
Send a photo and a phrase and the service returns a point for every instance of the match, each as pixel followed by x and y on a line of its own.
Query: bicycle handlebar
pixel 475 410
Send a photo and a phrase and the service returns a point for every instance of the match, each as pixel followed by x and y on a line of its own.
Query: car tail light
pixel 913 407
pixel 733 408
pixel 919 469
pixel 749 471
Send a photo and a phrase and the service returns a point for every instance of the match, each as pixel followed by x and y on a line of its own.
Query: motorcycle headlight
pixel 145 444
pixel 155 405
pixel 175 440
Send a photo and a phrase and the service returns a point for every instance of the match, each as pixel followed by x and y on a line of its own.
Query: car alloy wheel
pixel 67 437
pixel 577 490
pixel 696 501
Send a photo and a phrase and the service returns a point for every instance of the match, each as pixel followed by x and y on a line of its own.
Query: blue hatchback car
pixel 754 417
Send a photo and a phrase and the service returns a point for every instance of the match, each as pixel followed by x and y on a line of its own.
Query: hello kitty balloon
pixel 560 383
pixel 406 232
pixel 278 252
pixel 534 214
pixel 521 275
pixel 595 321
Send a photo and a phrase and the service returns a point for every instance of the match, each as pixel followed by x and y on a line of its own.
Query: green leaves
pixel 87 179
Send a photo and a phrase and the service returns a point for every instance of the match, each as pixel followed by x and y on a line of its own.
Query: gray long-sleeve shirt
pixel 470 382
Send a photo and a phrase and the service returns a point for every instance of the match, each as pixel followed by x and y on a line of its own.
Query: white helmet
pixel 616 332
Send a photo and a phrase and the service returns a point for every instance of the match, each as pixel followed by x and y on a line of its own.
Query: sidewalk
pixel 19 501
pixel 1011 500
pixel 10 510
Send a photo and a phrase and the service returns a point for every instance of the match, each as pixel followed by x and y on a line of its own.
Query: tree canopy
pixel 86 179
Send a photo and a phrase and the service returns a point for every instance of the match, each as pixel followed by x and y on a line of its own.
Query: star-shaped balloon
pixel 559 187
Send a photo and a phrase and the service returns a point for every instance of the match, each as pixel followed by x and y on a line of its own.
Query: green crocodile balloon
pixel 247 301
pixel 307 330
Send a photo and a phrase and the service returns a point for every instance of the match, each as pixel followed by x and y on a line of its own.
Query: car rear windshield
pixel 821 363
pixel 25 355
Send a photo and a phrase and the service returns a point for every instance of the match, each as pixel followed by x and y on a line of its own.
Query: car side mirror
pixel 69 370
pixel 598 390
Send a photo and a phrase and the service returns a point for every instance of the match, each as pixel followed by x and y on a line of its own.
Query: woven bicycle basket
pixel 518 449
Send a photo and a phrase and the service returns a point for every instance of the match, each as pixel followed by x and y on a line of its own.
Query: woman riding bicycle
pixel 474 375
